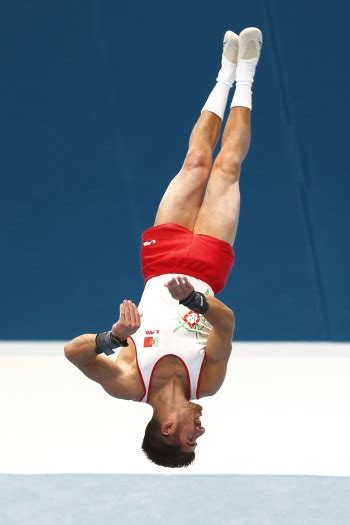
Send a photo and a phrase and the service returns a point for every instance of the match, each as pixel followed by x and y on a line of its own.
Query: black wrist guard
pixel 106 342
pixel 196 302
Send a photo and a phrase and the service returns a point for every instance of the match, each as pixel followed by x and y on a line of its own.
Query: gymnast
pixel 181 334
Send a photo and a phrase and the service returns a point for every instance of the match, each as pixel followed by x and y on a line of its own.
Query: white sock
pixel 244 80
pixel 217 99
pixel 227 73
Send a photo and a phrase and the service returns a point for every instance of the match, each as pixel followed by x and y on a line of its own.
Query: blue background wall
pixel 97 99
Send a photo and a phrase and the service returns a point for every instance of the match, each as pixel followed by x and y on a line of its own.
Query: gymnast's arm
pixel 219 342
pixel 81 351
pixel 222 319
pixel 219 346
pixel 220 316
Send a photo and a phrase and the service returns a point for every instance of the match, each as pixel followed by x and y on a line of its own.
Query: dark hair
pixel 161 453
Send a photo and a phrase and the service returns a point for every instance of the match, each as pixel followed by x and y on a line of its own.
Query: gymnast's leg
pixel 184 195
pixel 219 213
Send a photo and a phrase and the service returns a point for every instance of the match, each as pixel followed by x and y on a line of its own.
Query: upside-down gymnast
pixel 182 339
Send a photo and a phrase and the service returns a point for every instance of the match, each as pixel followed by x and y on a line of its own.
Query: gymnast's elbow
pixel 231 319
pixel 69 350
pixel 80 348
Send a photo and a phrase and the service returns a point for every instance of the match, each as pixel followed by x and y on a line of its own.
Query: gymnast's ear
pixel 168 428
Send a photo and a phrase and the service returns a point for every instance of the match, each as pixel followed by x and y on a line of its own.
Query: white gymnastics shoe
pixel 250 42
pixel 230 50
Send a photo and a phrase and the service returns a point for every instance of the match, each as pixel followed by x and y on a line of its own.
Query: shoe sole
pixel 231 38
pixel 245 50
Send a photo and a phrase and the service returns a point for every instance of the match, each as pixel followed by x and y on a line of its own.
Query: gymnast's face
pixel 189 427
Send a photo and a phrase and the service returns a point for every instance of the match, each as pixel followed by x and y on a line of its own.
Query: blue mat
pixel 141 499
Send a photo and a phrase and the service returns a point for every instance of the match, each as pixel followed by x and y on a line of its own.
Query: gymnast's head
pixel 171 435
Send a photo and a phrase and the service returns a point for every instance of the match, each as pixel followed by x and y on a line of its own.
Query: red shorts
pixel 171 248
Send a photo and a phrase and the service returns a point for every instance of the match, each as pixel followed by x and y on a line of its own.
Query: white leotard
pixel 168 328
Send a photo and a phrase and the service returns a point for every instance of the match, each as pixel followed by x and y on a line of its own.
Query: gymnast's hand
pixel 179 287
pixel 129 320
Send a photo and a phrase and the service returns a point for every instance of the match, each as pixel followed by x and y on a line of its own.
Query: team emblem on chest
pixel 192 322
pixel 192 319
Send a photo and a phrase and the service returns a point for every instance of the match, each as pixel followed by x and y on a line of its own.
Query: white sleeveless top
pixel 169 328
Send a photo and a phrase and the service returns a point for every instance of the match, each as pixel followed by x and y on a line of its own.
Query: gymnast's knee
pixel 198 157
pixel 229 163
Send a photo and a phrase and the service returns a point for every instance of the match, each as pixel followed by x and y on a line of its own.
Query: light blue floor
pixel 201 500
